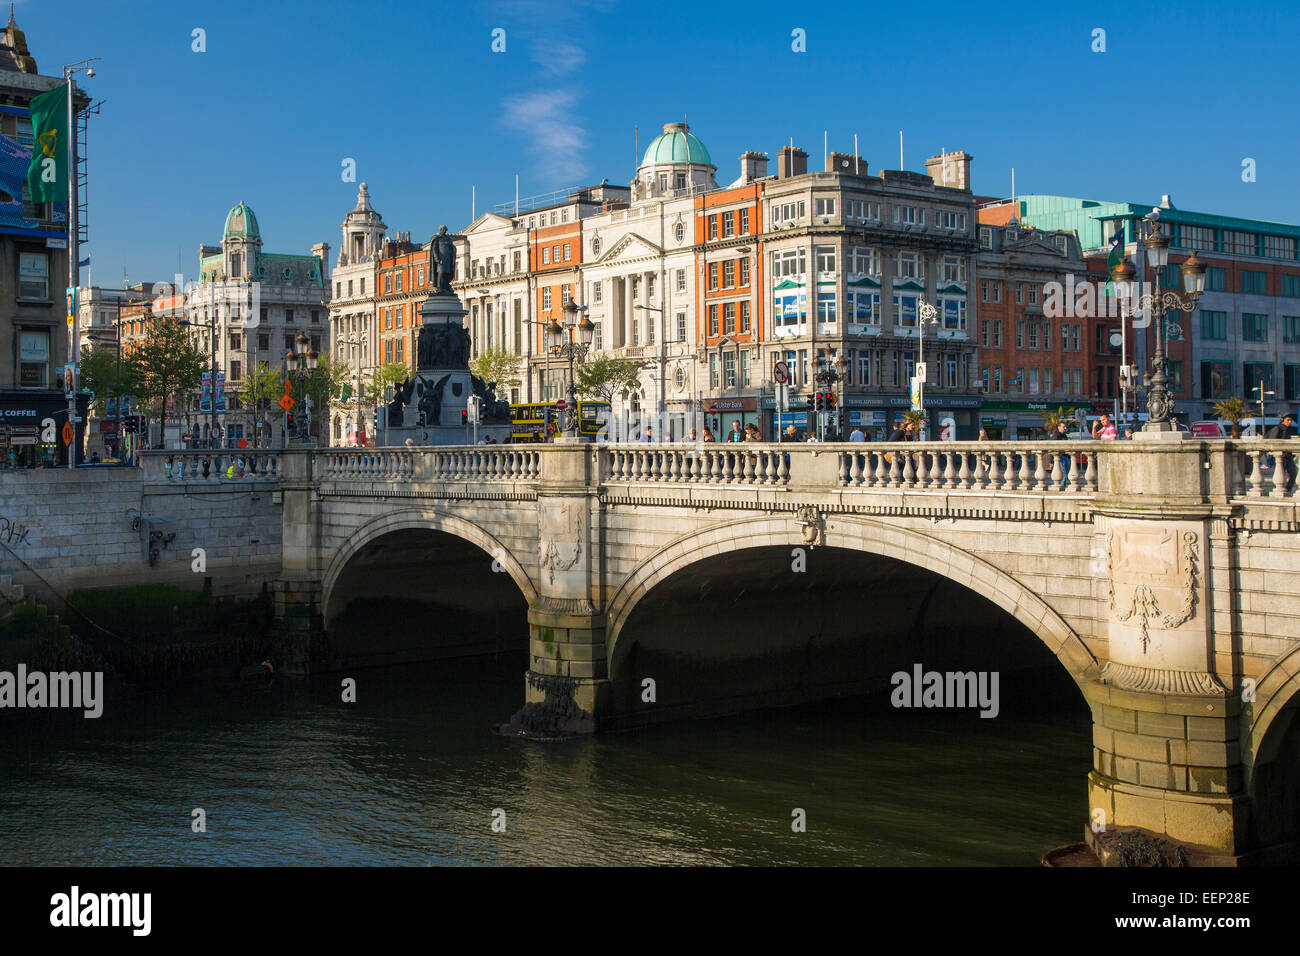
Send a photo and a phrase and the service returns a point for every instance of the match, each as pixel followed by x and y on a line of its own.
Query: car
pixel 1208 429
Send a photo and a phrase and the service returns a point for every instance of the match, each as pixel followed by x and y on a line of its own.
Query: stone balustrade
pixel 1266 468
pixel 210 466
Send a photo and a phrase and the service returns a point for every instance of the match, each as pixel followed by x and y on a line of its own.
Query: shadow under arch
pixel 421 519
pixel 865 535
pixel 1271 755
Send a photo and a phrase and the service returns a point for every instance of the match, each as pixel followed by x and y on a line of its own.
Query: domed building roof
pixel 241 223
pixel 676 144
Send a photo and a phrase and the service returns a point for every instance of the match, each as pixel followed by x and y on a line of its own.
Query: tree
pixel 164 364
pixel 497 367
pixel 103 374
pixel 394 374
pixel 263 388
pixel 1052 419
pixel 1231 410
pixel 604 377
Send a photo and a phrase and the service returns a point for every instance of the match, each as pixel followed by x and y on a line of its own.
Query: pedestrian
pixel 1060 434
pixel 690 436
pixel 792 433
pixel 751 433
pixel 647 437
pixel 736 434
pixel 180 469
pixel 169 467
pixel 708 435
pixel 1128 433
pixel 1104 429
pixel 1283 430
pixel 857 434
pixel 899 433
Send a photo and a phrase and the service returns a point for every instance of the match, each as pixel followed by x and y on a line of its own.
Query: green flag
pixel 47 177
pixel 346 393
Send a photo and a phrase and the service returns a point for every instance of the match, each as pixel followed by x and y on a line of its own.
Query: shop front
pixel 32 428
pixel 1018 421
pixel 719 413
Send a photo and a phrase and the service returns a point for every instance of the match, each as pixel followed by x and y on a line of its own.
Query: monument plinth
pixel 427 408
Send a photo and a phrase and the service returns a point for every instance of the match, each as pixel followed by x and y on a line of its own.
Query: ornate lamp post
pixel 572 350
pixel 301 360
pixel 927 314
pixel 1158 302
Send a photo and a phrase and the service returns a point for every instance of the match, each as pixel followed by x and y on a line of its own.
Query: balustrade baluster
pixel 1040 473
pixel 782 468
pixel 1090 474
pixel 909 471
pixel 1256 474
pixel 855 470
pixel 715 466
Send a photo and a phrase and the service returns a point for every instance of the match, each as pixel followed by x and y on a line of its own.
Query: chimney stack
pixel 752 166
pixel 950 169
pixel 791 161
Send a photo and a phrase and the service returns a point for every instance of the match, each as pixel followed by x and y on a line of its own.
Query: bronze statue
pixel 431 404
pixel 442 260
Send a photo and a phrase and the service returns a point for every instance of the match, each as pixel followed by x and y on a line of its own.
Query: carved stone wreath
pixel 809 520
pixel 1145 607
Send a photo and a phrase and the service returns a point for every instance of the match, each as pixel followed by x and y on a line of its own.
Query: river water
pixel 411 774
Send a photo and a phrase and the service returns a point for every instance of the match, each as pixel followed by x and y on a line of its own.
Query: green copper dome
pixel 241 223
pixel 676 144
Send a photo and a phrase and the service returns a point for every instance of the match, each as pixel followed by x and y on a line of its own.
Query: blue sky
pixel 288 89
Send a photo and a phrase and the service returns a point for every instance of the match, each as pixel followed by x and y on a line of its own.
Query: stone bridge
pixel 668 581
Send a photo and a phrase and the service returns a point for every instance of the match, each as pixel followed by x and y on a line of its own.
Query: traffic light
pixel 831 399
pixel 464 416
pixel 289 421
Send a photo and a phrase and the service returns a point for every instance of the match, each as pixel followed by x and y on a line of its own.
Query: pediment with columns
pixel 631 248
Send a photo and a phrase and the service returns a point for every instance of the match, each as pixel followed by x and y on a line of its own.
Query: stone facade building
pixel 353 314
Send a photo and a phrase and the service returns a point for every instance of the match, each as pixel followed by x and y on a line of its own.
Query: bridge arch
pixel 865 535
pixel 423 519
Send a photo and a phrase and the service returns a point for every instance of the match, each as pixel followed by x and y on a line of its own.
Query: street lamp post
pixel 74 248
pixel 303 360
pixel 927 314
pixel 572 350
pixel 1262 395
pixel 1158 303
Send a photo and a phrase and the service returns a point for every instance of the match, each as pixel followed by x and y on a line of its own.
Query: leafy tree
pixel 262 388
pixel 1231 410
pixel 604 376
pixel 105 375
pixel 394 374
pixel 499 367
pixel 1052 419
pixel 165 363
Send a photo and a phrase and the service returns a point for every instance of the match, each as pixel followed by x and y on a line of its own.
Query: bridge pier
pixel 1167 762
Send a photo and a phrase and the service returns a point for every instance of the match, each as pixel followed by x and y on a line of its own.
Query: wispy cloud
pixel 559 58
pixel 547 120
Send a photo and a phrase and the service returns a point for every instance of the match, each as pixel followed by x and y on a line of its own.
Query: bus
pixel 531 420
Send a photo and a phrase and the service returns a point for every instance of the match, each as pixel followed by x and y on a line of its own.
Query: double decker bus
pixel 531 420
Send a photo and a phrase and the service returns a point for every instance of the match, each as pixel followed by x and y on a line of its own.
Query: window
pixel 744 271
pixel 1241 243
pixel 713 370
pixel 1254 327
pixel 864 368
pixel 744 318
pixel 1020 334
pixel 744 222
pixel 824 207
pixel 955 221
pixel 679 180
pixel 34 358
pixel 713 227
pixel 729 274
pixel 597 293
pixel 1214 325
pixel 397 286
pixel 861 209
pixel 1176 376
pixel 729 370
pixel 681 280
pixel 1279 247
pixel 905 309
pixel 825 258
pixel 546 299
pixel 908 266
pixel 1290 286
pixel 1253 283
pixel 1216 379
pixel 1033 293
pixel 713 275
pixel 1020 293
pixel 419 275
pixel 1031 338
pixel 729 318
pixel 597 338
pixel 1216 279
pixel 728 224
pixel 1291 328
pixel 288 342
pixel 954 269
pixel 288 315
pixel 986 237
pixel 264 341
pixel 789 262
pixel 564 295
pixel 679 232
pixel 951 363
pixel 908 215
pixel 388 350
pixel 388 282
pixel 790 308
pixel 236 370
pixel 984 333
pixel 33 275
pixel 235 341
pixel 315 316
pixel 1196 237
pixel 866 261
pixel 546 255
pixel 1291 382
pixel 952 311
pixel 1256 374
pixel 566 252
pixel 826 307
pixel 864 307
pixel 713 320
pixel 681 326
